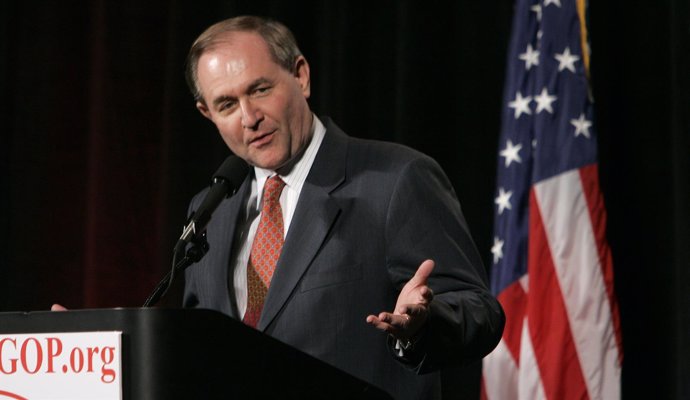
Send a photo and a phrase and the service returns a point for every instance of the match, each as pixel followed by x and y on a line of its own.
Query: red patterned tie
pixel 265 251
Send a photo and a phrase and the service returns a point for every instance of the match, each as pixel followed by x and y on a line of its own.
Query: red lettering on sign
pixel 54 350
pixel 13 361
pixel 39 356
pixel 76 360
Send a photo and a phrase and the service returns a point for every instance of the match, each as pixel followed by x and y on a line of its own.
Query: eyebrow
pixel 222 99
pixel 256 83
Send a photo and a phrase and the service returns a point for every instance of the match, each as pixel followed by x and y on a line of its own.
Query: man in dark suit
pixel 362 234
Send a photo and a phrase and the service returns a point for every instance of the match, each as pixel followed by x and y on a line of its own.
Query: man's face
pixel 259 108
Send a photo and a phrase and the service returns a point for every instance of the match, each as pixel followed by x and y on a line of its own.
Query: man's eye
pixel 262 90
pixel 226 106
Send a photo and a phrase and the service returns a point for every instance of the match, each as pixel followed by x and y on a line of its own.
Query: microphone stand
pixel 226 182
pixel 193 254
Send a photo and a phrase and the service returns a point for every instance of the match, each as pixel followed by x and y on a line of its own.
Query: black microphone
pixel 226 181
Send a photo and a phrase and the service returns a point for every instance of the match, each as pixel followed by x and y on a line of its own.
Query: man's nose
pixel 251 115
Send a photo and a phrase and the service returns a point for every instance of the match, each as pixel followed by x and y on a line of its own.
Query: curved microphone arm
pixel 193 254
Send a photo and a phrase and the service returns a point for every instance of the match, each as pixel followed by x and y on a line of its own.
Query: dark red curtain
pixel 102 147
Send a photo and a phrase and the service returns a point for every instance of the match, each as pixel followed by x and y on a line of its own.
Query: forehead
pixel 235 48
pixel 234 59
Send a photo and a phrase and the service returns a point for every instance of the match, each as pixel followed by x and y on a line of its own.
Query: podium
pixel 198 354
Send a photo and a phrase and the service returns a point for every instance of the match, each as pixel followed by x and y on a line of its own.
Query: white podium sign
pixel 69 366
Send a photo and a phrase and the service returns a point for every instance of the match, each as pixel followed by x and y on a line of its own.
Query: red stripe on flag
pixel 552 340
pixel 514 302
pixel 597 213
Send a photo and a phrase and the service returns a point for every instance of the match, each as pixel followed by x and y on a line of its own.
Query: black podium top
pixel 199 354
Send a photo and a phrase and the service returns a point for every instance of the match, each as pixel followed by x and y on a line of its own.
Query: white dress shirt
pixel 246 229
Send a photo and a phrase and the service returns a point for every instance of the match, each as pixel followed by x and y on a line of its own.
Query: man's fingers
pixel 427 293
pixel 393 319
pixel 423 298
pixel 411 308
pixel 420 277
pixel 57 307
pixel 378 323
pixel 390 323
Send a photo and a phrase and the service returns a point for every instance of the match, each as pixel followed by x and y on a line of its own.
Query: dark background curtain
pixel 102 147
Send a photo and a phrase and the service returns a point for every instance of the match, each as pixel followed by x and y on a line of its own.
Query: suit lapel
pixel 228 214
pixel 315 214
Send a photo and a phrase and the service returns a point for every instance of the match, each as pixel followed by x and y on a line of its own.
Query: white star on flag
pixel 566 60
pixel 511 153
pixel 544 101
pixel 503 200
pixel 520 104
pixel 581 125
pixel 530 57
pixel 556 2
pixel 497 249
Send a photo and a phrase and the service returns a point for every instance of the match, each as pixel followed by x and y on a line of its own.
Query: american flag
pixel 552 268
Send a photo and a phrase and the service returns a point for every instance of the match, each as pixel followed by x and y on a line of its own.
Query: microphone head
pixel 233 171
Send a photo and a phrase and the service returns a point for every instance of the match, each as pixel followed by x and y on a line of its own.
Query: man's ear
pixel 201 106
pixel 302 75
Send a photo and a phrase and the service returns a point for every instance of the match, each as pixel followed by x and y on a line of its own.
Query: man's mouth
pixel 262 139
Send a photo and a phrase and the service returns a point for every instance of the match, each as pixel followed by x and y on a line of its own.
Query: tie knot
pixel 272 189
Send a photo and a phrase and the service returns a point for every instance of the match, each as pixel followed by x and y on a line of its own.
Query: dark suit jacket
pixel 369 213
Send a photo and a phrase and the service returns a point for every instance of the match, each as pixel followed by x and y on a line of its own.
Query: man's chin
pixel 270 163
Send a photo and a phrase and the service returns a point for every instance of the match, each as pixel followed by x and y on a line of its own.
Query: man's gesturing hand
pixel 412 308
